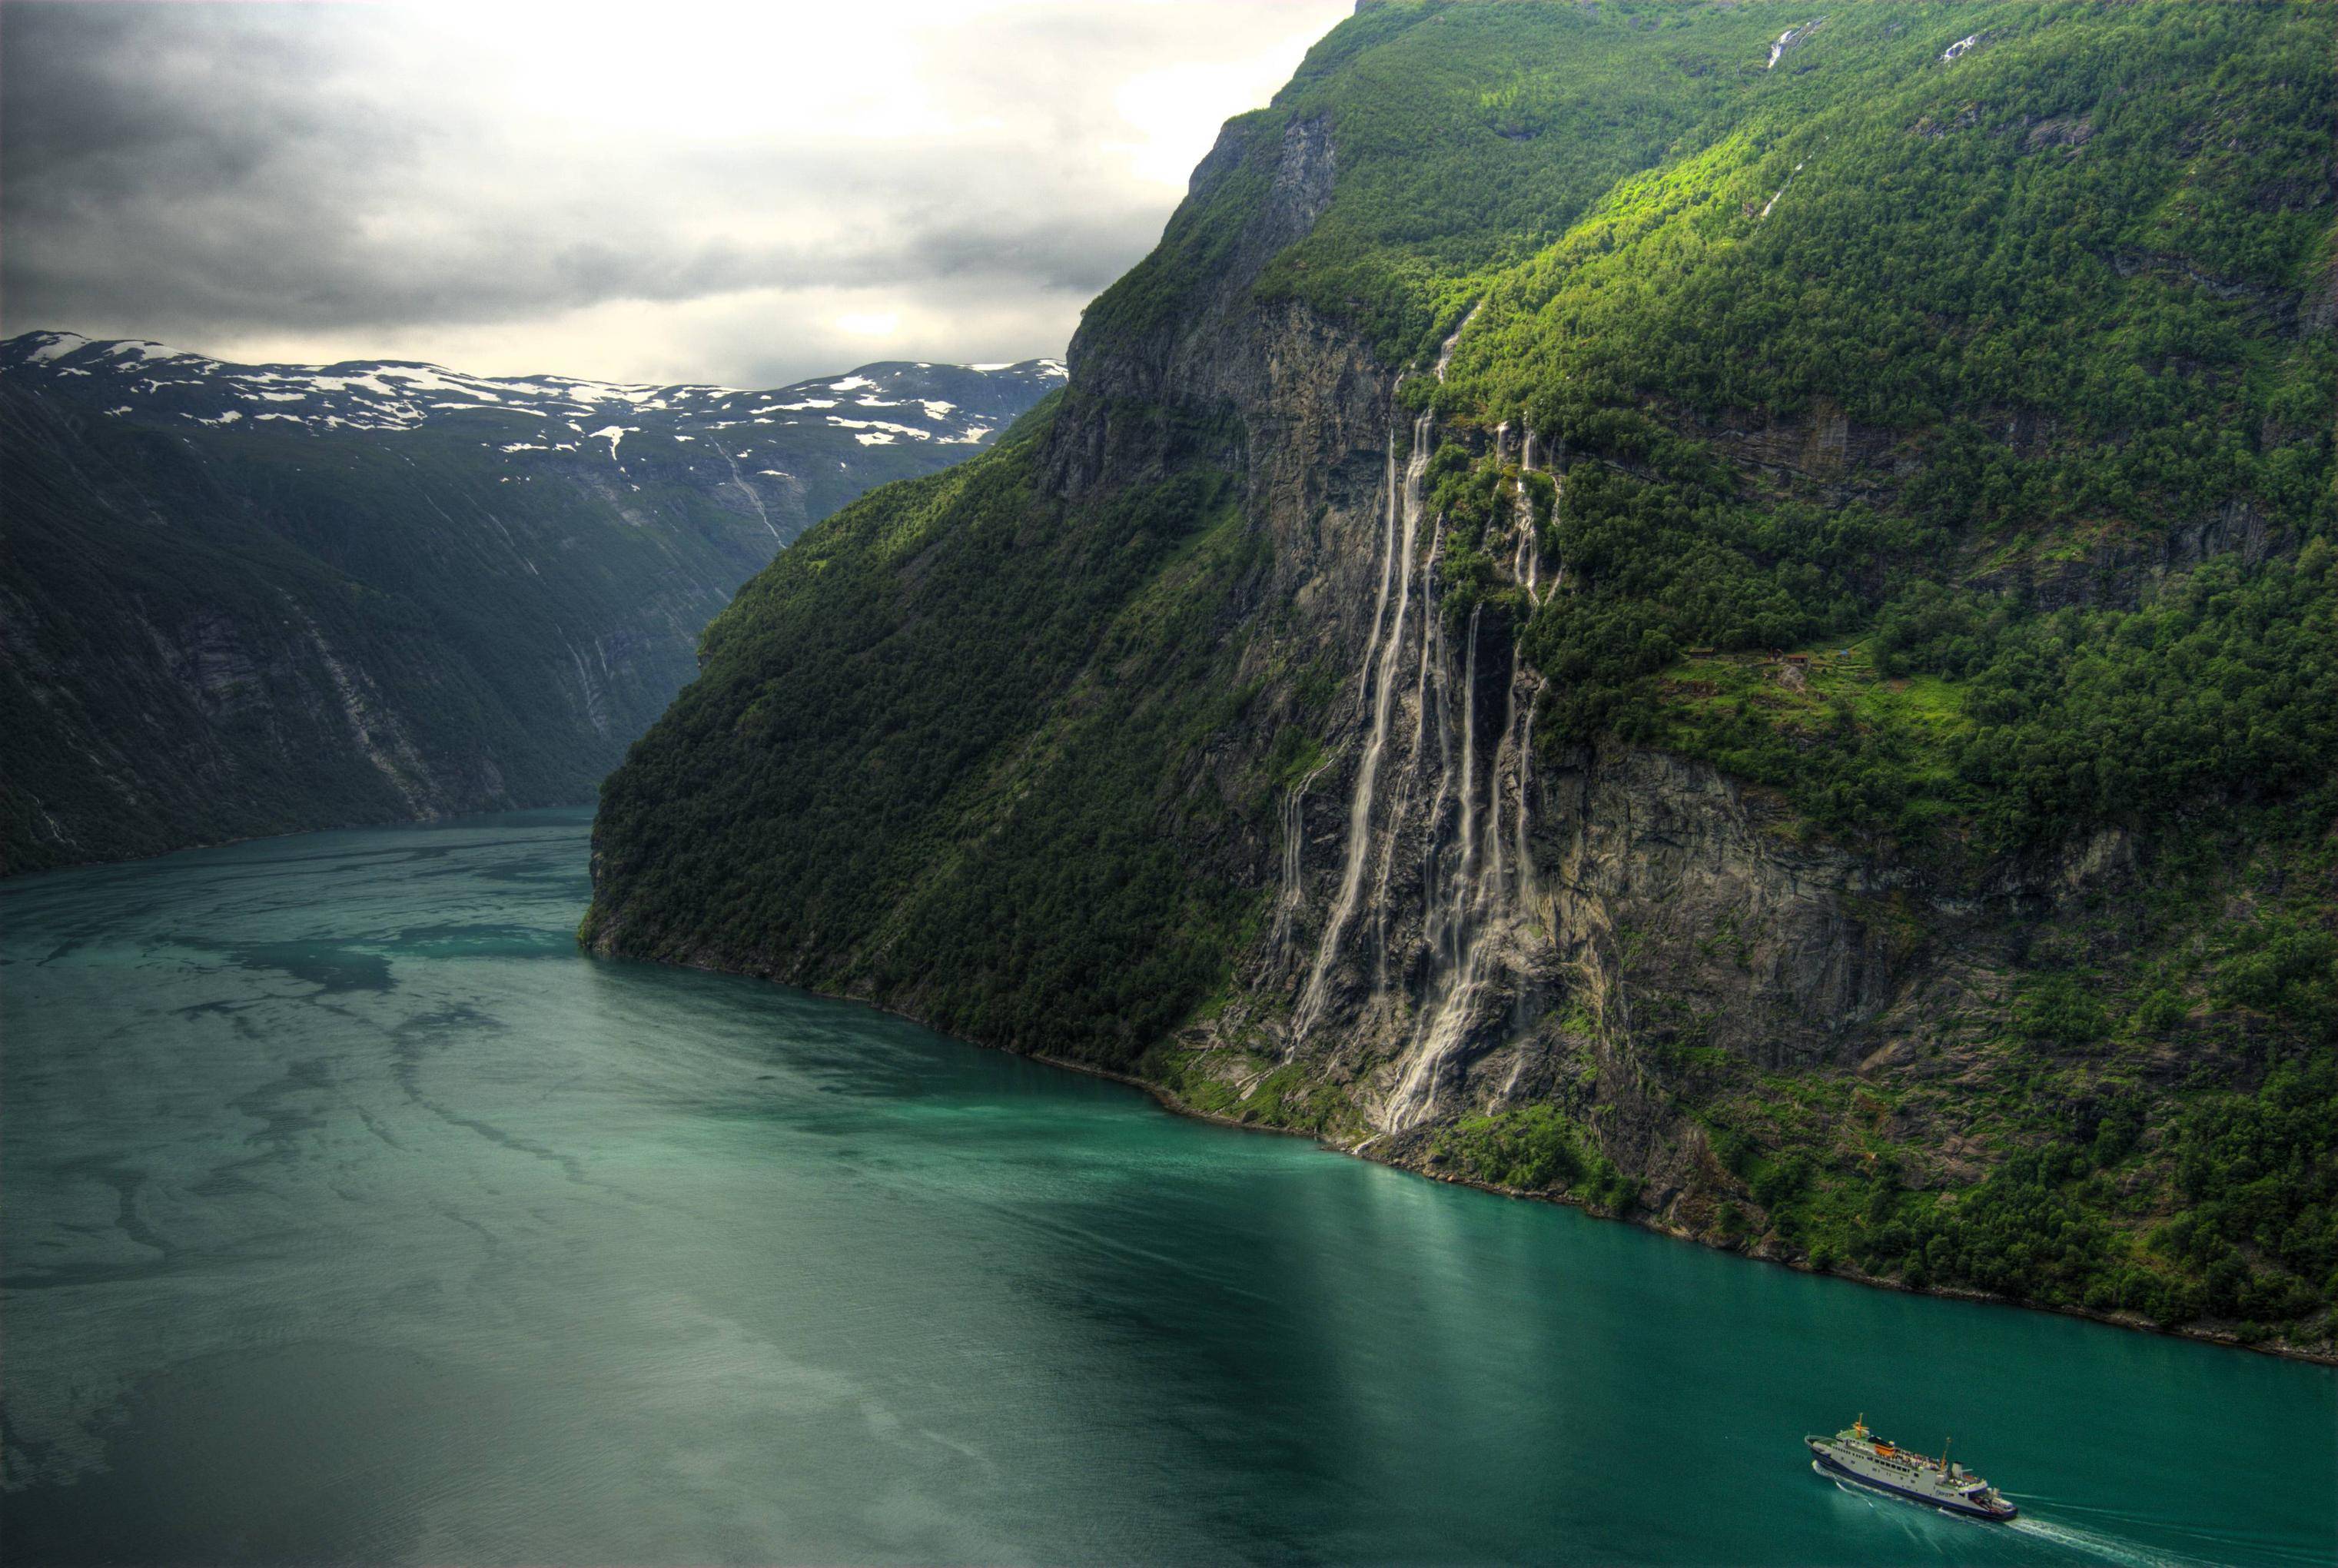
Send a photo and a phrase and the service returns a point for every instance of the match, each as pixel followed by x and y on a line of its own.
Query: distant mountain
pixel 791 457
pixel 240 599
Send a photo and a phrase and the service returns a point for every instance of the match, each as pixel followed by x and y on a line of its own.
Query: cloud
pixel 734 193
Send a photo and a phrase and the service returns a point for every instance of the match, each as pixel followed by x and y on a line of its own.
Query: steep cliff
pixel 1723 613
pixel 250 599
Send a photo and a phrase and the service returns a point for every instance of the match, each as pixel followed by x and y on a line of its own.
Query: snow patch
pixel 54 345
pixel 910 431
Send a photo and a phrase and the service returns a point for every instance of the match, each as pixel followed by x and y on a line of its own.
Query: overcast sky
pixel 745 194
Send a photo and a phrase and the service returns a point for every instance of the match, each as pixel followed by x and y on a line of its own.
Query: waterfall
pixel 1432 646
pixel 1293 891
pixel 1475 898
pixel 1469 879
pixel 1468 860
pixel 1388 569
pixel 1359 806
pixel 1523 563
pixel 1480 903
pixel 1485 905
pixel 1529 897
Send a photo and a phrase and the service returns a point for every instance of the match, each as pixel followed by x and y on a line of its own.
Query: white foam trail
pixel 2109 1547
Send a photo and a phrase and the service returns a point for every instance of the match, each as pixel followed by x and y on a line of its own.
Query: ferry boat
pixel 1857 1456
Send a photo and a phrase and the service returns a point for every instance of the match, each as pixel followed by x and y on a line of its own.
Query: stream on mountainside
pixel 353 1215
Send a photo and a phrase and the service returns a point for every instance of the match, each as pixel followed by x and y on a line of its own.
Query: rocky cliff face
pixel 1463 922
pixel 1457 925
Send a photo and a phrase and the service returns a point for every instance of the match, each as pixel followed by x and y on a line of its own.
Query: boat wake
pixel 2126 1552
pixel 2072 1538
pixel 2109 1548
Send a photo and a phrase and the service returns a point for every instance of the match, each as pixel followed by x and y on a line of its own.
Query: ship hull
pixel 1829 1466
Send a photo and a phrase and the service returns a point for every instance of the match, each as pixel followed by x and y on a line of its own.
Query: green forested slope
pixel 834 784
pixel 1995 382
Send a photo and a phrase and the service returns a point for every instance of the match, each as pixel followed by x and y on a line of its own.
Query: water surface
pixel 351 1215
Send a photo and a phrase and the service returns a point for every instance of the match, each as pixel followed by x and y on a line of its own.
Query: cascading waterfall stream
pixel 1483 900
pixel 1432 659
pixel 1387 570
pixel 1359 806
pixel 1478 919
pixel 1293 890
pixel 1529 895
pixel 1475 877
pixel 1529 553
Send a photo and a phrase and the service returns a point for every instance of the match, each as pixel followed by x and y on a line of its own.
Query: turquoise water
pixel 351 1215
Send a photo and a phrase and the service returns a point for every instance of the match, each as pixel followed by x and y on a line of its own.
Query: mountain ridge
pixel 237 600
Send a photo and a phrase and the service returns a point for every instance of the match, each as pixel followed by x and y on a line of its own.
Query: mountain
pixel 1724 611
pixel 242 599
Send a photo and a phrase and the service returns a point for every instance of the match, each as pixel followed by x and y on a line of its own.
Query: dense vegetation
pixel 1942 446
pixel 943 714
pixel 1970 723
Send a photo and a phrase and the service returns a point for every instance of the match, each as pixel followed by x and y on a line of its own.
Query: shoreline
pixel 1168 1099
pixel 10 875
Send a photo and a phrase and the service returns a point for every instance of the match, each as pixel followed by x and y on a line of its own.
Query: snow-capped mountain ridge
pixel 246 599
pixel 880 404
